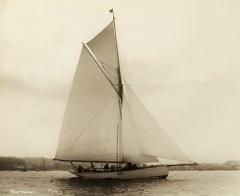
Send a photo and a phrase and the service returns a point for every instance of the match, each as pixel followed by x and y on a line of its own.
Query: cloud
pixel 53 91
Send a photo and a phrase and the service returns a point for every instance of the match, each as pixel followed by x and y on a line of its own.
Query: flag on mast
pixel 111 10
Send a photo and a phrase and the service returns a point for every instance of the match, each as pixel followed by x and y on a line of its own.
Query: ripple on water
pixel 214 183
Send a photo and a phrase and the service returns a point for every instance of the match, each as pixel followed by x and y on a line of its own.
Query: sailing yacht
pixel 106 125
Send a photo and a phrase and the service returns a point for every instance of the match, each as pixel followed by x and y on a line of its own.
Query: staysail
pixel 149 137
pixel 97 107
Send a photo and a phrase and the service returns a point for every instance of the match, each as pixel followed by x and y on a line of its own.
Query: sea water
pixel 183 183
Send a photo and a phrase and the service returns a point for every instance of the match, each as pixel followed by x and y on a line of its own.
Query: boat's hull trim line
pixel 148 172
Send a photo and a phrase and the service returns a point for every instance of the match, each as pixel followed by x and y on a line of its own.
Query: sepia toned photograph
pixel 120 97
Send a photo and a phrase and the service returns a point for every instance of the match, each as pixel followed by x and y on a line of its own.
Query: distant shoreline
pixel 46 164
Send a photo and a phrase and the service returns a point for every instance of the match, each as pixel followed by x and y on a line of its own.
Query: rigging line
pixel 118 59
pixel 109 70
pixel 90 121
pixel 100 66
pixel 120 86
pixel 116 44
pixel 111 67
pixel 113 71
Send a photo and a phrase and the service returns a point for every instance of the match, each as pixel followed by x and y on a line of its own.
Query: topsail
pixel 102 121
pixel 104 48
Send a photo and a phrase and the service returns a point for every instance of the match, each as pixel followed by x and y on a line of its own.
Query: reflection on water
pixel 110 187
pixel 178 183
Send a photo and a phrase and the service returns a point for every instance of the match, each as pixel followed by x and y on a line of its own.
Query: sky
pixel 182 58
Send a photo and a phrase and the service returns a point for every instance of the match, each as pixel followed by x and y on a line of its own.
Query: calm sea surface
pixel 185 183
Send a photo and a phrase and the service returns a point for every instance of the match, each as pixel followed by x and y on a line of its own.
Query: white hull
pixel 147 172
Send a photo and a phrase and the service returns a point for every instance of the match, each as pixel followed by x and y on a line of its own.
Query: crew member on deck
pixel 92 166
pixel 80 169
pixel 106 167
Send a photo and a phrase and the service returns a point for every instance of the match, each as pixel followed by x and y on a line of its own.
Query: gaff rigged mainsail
pixel 98 107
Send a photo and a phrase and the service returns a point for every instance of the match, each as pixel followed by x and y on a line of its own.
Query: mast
pixel 118 70
pixel 120 87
